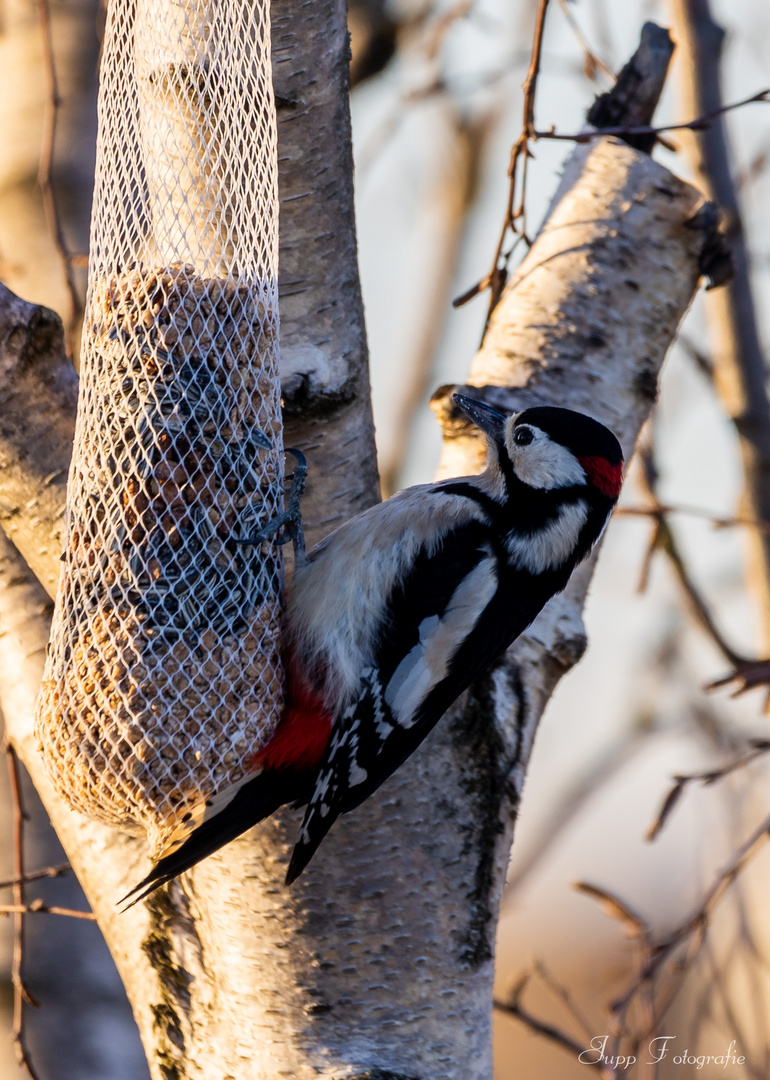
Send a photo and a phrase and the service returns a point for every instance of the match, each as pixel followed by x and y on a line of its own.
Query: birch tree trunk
pixel 379 960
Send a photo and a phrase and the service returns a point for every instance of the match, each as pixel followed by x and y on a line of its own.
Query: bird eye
pixel 523 436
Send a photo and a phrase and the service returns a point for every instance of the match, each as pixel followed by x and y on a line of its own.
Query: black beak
pixel 490 421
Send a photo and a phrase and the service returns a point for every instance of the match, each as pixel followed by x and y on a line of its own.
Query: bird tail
pixel 229 815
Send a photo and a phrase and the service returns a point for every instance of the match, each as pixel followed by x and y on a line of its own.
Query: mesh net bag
pixel 163 674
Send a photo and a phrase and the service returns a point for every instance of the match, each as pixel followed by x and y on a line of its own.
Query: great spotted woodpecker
pixel 393 615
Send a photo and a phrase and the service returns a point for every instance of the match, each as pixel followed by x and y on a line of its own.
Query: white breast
pixel 549 547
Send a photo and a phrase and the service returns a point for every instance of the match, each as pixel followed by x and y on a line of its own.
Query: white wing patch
pixel 428 662
pixel 549 547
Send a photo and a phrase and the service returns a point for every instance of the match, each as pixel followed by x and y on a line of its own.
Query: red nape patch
pixel 608 478
pixel 301 736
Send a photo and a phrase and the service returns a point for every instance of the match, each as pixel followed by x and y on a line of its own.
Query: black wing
pixel 457 611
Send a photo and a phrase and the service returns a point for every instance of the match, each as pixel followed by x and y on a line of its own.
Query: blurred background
pixel 436 107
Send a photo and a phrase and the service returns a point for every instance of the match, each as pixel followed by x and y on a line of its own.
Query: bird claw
pixel 290 521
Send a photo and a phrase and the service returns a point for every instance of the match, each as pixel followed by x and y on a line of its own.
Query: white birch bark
pixel 381 957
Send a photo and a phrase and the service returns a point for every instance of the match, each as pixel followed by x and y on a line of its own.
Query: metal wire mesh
pixel 163 674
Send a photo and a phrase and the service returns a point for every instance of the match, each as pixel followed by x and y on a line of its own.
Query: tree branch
pixel 586 320
pixel 37 423
pixel 740 369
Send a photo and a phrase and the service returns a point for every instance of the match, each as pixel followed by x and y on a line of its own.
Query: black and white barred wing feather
pixel 344 770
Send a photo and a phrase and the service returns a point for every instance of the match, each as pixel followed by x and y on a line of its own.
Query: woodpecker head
pixel 548 448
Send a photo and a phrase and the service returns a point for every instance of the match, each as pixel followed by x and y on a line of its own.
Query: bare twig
pixel 515 212
pixel 35 875
pixel 748 673
pixel 662 509
pixel 45 172
pixel 563 994
pixel 714 894
pixel 700 123
pixel 666 542
pixel 692 929
pixel 592 63
pixel 21 994
pixel 513 1007
pixel 633 98
pixel 759 747
pixel 747 676
pixel 634 925
pixel 38 906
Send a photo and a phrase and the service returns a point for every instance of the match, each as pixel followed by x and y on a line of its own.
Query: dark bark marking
pixel 484 779
pixel 633 99
pixel 170 1051
pixel 302 399
pixel 646 381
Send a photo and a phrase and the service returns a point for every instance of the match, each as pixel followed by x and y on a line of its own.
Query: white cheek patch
pixel 545 464
pixel 428 662
pixel 549 547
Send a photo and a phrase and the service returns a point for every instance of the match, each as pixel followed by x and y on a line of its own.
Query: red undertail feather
pixel 605 475
pixel 301 737
pixel 283 769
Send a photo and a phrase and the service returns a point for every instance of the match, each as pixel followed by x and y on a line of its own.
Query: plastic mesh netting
pixel 163 674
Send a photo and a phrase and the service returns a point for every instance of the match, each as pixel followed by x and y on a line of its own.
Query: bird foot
pixel 287 526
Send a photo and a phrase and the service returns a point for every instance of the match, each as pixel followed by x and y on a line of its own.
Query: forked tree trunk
pixel 379 961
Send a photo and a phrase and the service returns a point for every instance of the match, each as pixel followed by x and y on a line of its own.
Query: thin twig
pixel 628 105
pixel 37 906
pixel 664 540
pixel 497 276
pixel 542 1028
pixel 35 875
pixel 513 1007
pixel 719 522
pixel 694 926
pixel 592 63
pixel 45 172
pixel 667 543
pixel 759 747
pixel 20 992
pixel 563 994
pixel 634 925
pixel 700 123
pixel 747 673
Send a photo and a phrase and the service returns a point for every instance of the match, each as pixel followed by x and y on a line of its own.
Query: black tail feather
pixel 251 804
pixel 314 829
